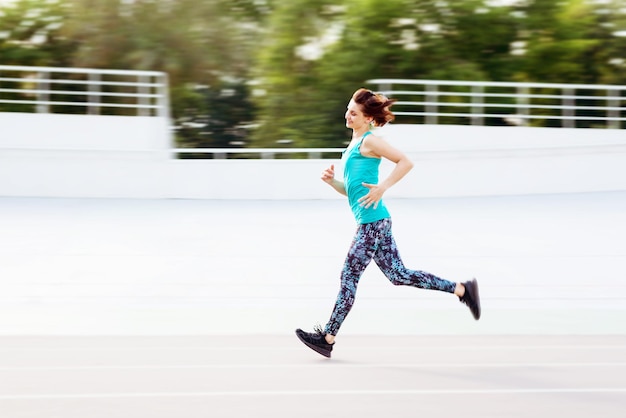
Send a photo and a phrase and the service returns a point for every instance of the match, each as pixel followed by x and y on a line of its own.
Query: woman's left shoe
pixel 472 298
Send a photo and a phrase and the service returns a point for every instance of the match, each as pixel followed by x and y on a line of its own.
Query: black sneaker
pixel 471 298
pixel 315 341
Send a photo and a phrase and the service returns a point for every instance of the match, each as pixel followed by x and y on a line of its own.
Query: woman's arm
pixel 376 147
pixel 328 176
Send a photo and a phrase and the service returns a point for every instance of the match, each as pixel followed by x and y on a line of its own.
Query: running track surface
pixel 248 376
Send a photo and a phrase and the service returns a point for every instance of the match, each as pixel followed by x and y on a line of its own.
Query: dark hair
pixel 374 105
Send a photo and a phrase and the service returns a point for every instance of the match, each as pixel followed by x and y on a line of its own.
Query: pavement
pixel 368 376
pixel 161 308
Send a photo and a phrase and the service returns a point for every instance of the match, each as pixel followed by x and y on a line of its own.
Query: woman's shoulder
pixel 372 145
pixel 373 139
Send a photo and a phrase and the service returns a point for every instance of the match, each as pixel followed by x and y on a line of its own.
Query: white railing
pixel 507 103
pixel 263 153
pixel 145 93
pixel 83 90
pixel 484 103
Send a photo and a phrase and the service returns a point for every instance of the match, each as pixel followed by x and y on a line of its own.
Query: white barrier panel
pixel 128 157
pixel 47 134
pixel 478 161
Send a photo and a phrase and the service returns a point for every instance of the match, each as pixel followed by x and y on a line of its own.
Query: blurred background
pixel 163 227
pixel 517 131
pixel 262 73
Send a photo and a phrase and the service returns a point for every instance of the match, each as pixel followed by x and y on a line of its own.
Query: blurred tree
pixel 285 71
pixel 290 66
pixel 612 54
pixel 199 44
pixel 30 36
pixel 375 42
pixel 489 51
pixel 309 69
pixel 30 33
pixel 191 41
pixel 574 42
pixel 568 41
pixel 307 94
pixel 561 42
pixel 216 117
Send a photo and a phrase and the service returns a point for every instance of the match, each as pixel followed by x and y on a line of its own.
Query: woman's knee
pixel 395 278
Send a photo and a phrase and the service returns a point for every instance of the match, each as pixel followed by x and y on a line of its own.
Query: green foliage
pixel 289 67
pixel 216 116
pixel 560 51
pixel 201 45
pixel 30 33
pixel 187 39
pixel 287 95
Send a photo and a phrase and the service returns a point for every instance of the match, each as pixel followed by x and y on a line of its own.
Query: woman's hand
pixel 373 197
pixel 376 147
pixel 328 175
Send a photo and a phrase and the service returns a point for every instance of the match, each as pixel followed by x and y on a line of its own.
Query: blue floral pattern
pixel 374 241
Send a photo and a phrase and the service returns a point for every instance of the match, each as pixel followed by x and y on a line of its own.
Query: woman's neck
pixel 357 133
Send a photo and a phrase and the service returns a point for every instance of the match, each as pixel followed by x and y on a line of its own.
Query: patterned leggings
pixel 375 241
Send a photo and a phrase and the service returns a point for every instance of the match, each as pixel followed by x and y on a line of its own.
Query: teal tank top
pixel 359 169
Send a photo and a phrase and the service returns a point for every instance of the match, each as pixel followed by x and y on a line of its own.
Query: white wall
pixel 476 160
pixel 72 133
pixel 129 157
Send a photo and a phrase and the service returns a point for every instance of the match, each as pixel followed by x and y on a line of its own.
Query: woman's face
pixel 355 118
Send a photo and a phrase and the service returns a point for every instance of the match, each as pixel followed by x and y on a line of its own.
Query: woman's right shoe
pixel 316 341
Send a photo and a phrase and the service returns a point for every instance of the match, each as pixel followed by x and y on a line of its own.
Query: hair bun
pixel 375 105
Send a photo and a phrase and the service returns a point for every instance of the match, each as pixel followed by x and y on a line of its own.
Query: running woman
pixel 373 239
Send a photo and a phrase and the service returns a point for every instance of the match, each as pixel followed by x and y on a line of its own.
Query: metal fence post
pixel 43 97
pixel 431 118
pixel 477 105
pixel 613 101
pixel 93 87
pixel 163 104
pixel 569 115
pixel 143 100
pixel 523 103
